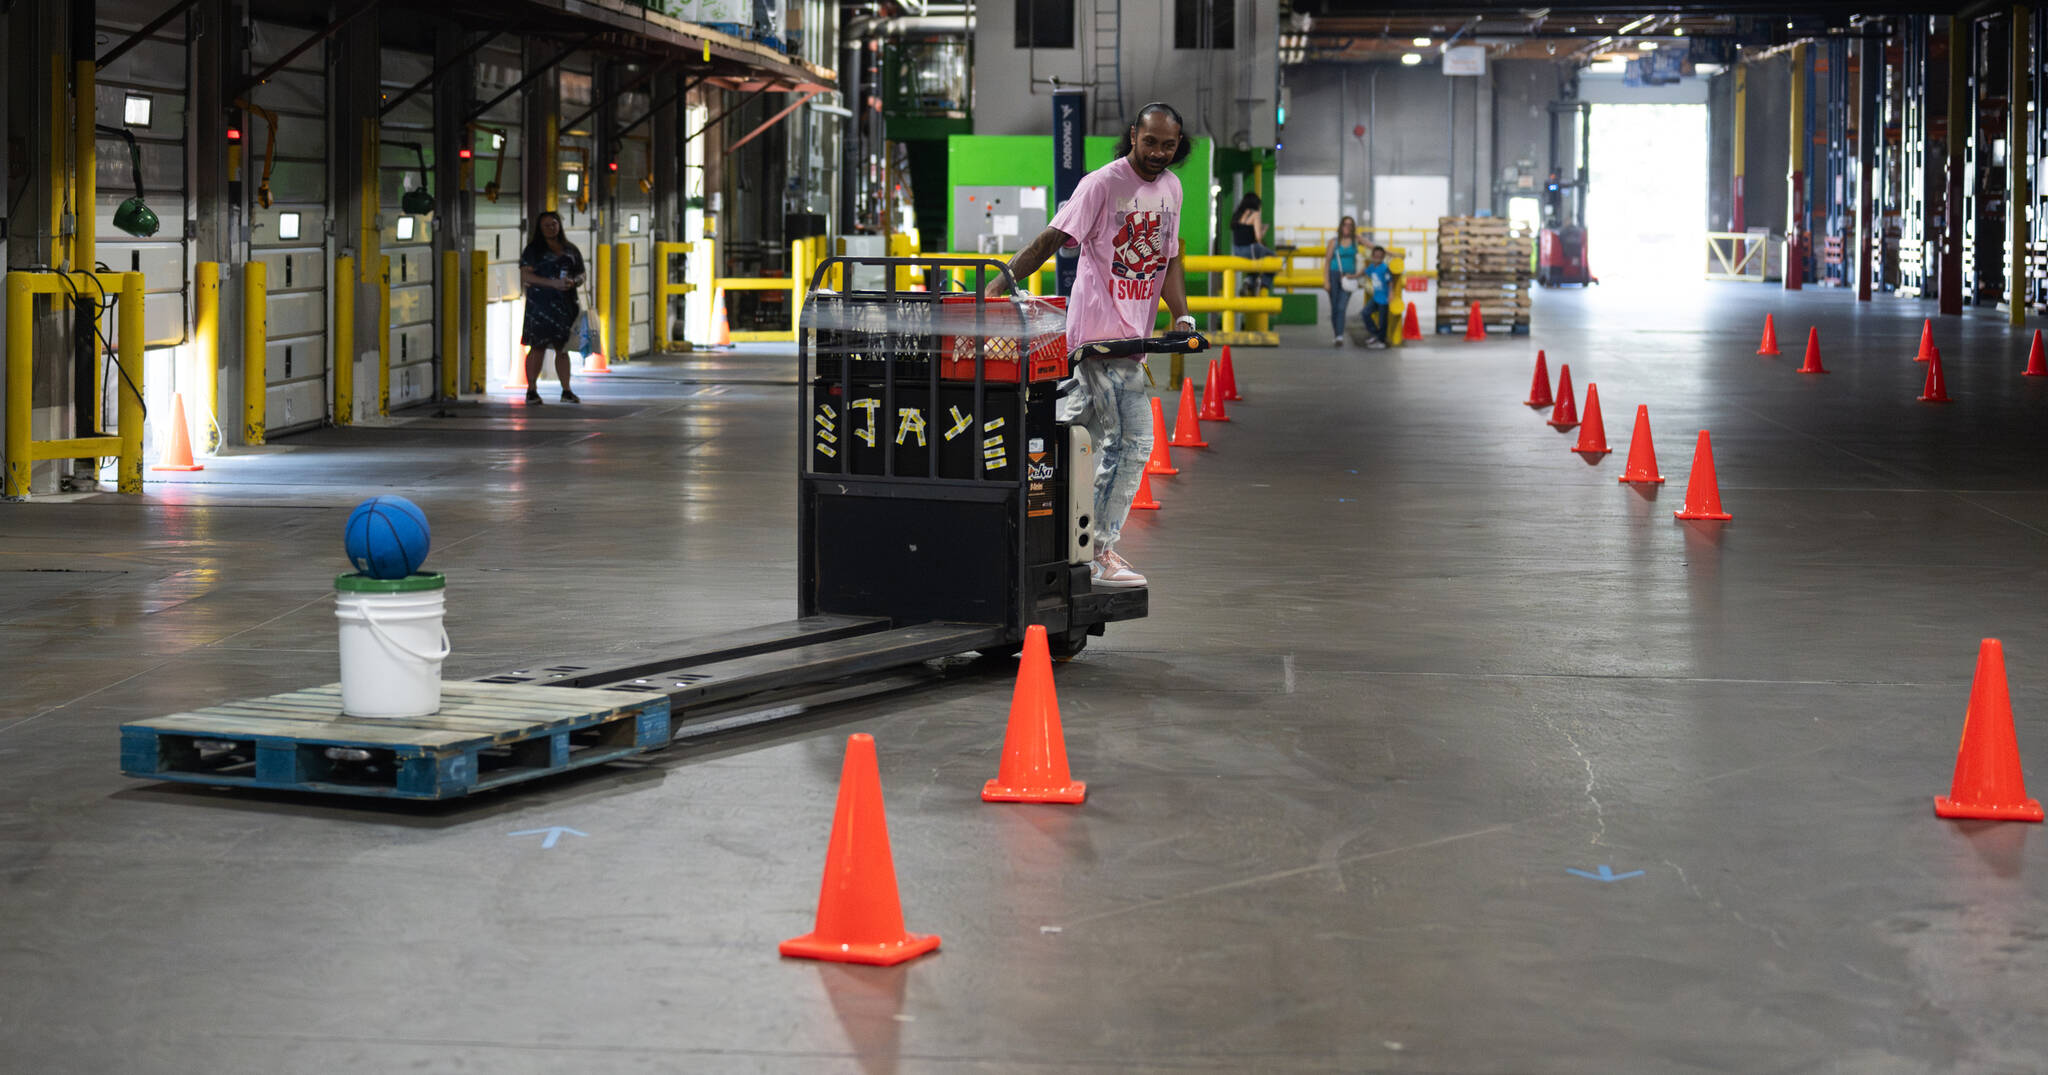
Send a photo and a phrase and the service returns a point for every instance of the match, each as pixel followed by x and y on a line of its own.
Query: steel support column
pixel 1870 68
pixel 1796 239
pixel 2019 198
pixel 1954 163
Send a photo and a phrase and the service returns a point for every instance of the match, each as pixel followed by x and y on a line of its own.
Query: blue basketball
pixel 387 537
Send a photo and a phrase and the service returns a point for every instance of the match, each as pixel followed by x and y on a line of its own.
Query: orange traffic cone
pixel 1927 340
pixel 1187 431
pixel 1812 363
pixel 1034 768
pixel 1702 490
pixel 178 456
pixel 1411 326
pixel 1212 396
pixel 1770 344
pixel 595 362
pixel 1988 785
pixel 1593 434
pixel 1475 325
pixel 1642 452
pixel 2037 362
pixel 1229 379
pixel 723 337
pixel 1162 459
pixel 860 919
pixel 1144 501
pixel 1539 386
pixel 1566 414
pixel 1935 389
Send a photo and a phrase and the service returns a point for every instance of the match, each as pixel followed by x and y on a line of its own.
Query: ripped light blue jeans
pixel 1114 405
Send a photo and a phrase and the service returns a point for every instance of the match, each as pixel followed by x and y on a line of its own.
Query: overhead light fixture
pixel 417 200
pixel 135 110
pixel 1646 45
pixel 1410 59
pixel 1680 31
pixel 1421 42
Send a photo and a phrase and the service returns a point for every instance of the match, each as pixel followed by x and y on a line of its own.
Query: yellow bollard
pixel 622 299
pixel 479 331
pixel 451 324
pixel 129 320
pixel 21 304
pixel 255 350
pixel 1397 303
pixel 344 341
pixel 1229 291
pixel 206 360
pixel 603 313
pixel 384 336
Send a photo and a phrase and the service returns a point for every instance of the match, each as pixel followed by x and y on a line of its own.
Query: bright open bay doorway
pixel 1646 198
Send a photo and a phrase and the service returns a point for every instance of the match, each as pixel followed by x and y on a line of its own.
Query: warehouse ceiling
pixel 1370 31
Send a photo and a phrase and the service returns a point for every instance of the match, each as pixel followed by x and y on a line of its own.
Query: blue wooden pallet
pixel 486 735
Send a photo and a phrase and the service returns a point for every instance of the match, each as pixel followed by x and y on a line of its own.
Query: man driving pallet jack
pixel 1125 217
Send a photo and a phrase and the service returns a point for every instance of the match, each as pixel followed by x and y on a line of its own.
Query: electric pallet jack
pixel 942 506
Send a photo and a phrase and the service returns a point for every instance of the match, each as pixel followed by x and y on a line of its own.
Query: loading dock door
pixel 290 237
pixel 501 224
pixel 408 238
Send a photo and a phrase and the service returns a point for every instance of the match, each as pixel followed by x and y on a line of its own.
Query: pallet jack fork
pixel 940 512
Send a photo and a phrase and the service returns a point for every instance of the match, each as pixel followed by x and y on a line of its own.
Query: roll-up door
pixel 406 161
pixel 578 166
pixel 290 235
pixel 635 225
pixel 144 92
pixel 501 212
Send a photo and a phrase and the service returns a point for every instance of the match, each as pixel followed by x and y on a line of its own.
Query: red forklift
pixel 1561 245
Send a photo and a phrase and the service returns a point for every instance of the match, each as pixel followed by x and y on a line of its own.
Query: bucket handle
pixel 393 643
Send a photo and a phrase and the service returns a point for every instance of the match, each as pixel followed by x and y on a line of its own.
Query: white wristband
pixel 1185 319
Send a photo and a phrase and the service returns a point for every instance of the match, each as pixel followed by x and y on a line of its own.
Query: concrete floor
pixel 1409 660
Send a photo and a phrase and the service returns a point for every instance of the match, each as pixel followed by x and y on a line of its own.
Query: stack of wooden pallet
pixel 1484 260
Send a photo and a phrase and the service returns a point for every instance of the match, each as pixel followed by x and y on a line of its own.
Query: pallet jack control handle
pixel 1171 343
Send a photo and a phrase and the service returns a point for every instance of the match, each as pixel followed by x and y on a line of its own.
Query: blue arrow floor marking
pixel 553 834
pixel 1606 874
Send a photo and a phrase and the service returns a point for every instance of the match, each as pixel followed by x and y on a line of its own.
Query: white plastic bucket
pixel 392 645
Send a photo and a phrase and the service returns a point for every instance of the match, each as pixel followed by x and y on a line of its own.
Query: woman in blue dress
pixel 551 268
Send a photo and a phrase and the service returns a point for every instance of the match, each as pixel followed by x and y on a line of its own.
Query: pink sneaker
pixel 1110 570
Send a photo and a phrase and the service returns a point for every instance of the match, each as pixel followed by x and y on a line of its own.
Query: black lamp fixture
pixel 417 201
pixel 133 216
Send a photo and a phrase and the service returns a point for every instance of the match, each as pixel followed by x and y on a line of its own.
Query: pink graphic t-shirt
pixel 1128 231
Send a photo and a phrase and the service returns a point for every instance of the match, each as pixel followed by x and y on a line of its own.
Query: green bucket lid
pixel 358 583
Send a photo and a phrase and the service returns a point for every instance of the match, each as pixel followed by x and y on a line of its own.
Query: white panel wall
pixel 1224 94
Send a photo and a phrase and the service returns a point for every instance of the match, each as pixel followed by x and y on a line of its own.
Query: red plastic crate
pixel 1048 350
